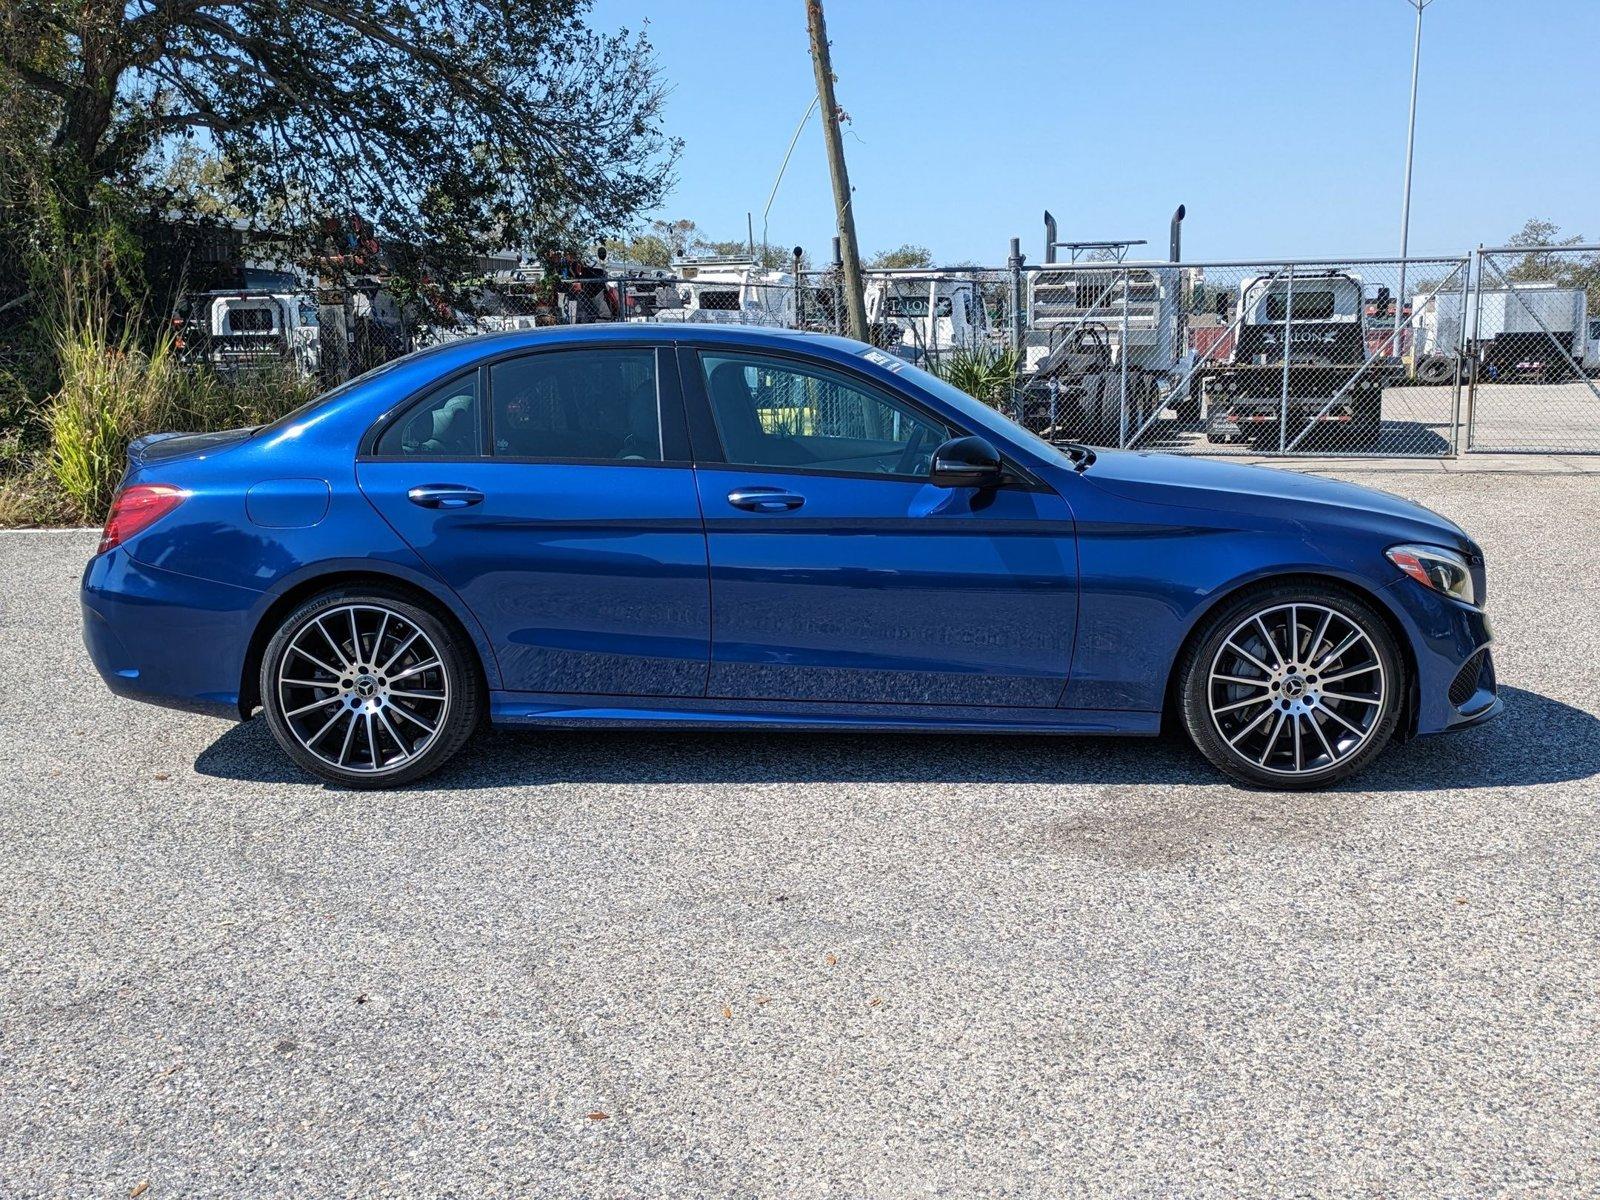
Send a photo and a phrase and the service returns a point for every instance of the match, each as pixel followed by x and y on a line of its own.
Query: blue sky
pixel 1279 123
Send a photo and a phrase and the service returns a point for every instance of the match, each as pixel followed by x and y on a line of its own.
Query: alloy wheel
pixel 1296 689
pixel 363 689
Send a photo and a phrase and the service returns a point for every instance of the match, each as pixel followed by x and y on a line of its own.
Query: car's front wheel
pixel 367 689
pixel 1292 687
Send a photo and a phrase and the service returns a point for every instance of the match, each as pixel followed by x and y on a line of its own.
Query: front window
pixel 778 413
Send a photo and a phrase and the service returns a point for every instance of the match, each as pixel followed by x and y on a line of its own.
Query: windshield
pixel 978 413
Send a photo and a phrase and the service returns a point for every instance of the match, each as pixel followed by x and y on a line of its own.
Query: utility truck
pixel 1299 364
pixel 1098 332
pixel 1532 332
pixel 726 291
pixel 230 330
pixel 921 314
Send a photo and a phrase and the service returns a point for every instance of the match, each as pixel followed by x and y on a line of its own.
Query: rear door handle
pixel 444 495
pixel 760 499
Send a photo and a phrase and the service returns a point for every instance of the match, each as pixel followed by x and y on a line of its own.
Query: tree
pixel 664 241
pixel 450 126
pixel 1550 259
pixel 906 255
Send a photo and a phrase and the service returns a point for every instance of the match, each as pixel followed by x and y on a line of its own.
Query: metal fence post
pixel 1461 357
pixel 1283 396
pixel 1014 266
pixel 1470 335
pixel 1122 360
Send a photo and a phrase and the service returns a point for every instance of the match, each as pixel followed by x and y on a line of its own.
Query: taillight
pixel 137 508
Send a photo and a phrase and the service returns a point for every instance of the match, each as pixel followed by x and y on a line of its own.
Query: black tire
pixel 1436 369
pixel 1334 735
pixel 359 657
pixel 1366 423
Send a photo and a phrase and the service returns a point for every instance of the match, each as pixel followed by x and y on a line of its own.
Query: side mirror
pixel 967 462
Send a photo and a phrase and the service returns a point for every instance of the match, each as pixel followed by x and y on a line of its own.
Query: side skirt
pixel 675 712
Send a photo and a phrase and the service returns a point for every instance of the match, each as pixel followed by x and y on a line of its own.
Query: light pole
pixel 1411 141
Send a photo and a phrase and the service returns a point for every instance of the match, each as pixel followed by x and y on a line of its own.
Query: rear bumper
pixel 165 638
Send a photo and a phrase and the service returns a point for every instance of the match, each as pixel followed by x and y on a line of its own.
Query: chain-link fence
pixel 1528 334
pixel 1304 357
pixel 1422 357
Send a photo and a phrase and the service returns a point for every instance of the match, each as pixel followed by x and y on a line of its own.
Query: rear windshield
pixel 1306 306
pixel 316 402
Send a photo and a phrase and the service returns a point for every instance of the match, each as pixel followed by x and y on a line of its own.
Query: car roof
pixel 652 331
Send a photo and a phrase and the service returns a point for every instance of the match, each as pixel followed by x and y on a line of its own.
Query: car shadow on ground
pixel 1538 740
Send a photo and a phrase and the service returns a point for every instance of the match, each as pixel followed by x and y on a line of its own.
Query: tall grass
pixel 111 391
pixel 117 385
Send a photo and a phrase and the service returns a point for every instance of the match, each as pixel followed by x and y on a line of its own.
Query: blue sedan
pixel 713 527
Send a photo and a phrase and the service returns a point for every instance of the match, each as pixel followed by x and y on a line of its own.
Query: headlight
pixel 1437 568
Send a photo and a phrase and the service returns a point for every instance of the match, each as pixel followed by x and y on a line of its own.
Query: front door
pixel 549 492
pixel 840 574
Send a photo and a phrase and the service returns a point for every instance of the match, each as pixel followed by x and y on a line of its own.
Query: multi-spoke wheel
pixel 1292 688
pixel 367 689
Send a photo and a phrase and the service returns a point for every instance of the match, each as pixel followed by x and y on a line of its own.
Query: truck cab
pixel 237 329
pixel 1300 358
pixel 919 315
pixel 726 291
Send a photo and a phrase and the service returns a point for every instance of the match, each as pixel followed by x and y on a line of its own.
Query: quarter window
pixel 777 413
pixel 577 404
pixel 445 424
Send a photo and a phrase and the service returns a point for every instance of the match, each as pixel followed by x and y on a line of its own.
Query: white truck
pixel 230 330
pixel 1531 332
pixel 1299 357
pixel 921 314
pixel 726 291
pixel 1095 330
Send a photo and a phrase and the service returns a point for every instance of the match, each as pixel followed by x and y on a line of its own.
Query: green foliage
pixel 983 371
pixel 1549 259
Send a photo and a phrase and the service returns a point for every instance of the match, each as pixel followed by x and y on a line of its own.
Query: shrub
pixel 983 371
pixel 110 393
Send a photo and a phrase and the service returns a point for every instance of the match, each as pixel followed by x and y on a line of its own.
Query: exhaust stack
pixel 1049 237
pixel 1175 243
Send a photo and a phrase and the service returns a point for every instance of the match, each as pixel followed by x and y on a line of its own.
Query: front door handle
pixel 760 499
pixel 444 495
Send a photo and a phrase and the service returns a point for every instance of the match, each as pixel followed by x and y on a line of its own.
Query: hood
pixel 1238 488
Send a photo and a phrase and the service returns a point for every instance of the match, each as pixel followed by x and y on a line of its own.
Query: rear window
pixel 1307 306
pixel 598 405
pixel 255 319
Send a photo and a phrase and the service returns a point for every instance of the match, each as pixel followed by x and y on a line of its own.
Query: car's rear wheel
pixel 368 689
pixel 1293 687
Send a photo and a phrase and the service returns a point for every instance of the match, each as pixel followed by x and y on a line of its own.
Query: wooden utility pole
pixel 849 252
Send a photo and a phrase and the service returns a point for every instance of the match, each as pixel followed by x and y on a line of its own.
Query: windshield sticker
pixel 887 361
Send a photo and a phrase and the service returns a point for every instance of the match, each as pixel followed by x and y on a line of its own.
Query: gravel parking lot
pixel 779 965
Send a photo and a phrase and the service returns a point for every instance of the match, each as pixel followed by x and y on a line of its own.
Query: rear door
pixel 839 574
pixel 553 492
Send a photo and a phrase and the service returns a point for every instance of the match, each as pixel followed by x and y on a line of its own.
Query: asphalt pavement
pixel 741 965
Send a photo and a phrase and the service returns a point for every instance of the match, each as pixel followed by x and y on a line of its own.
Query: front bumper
pixel 165 638
pixel 1456 686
